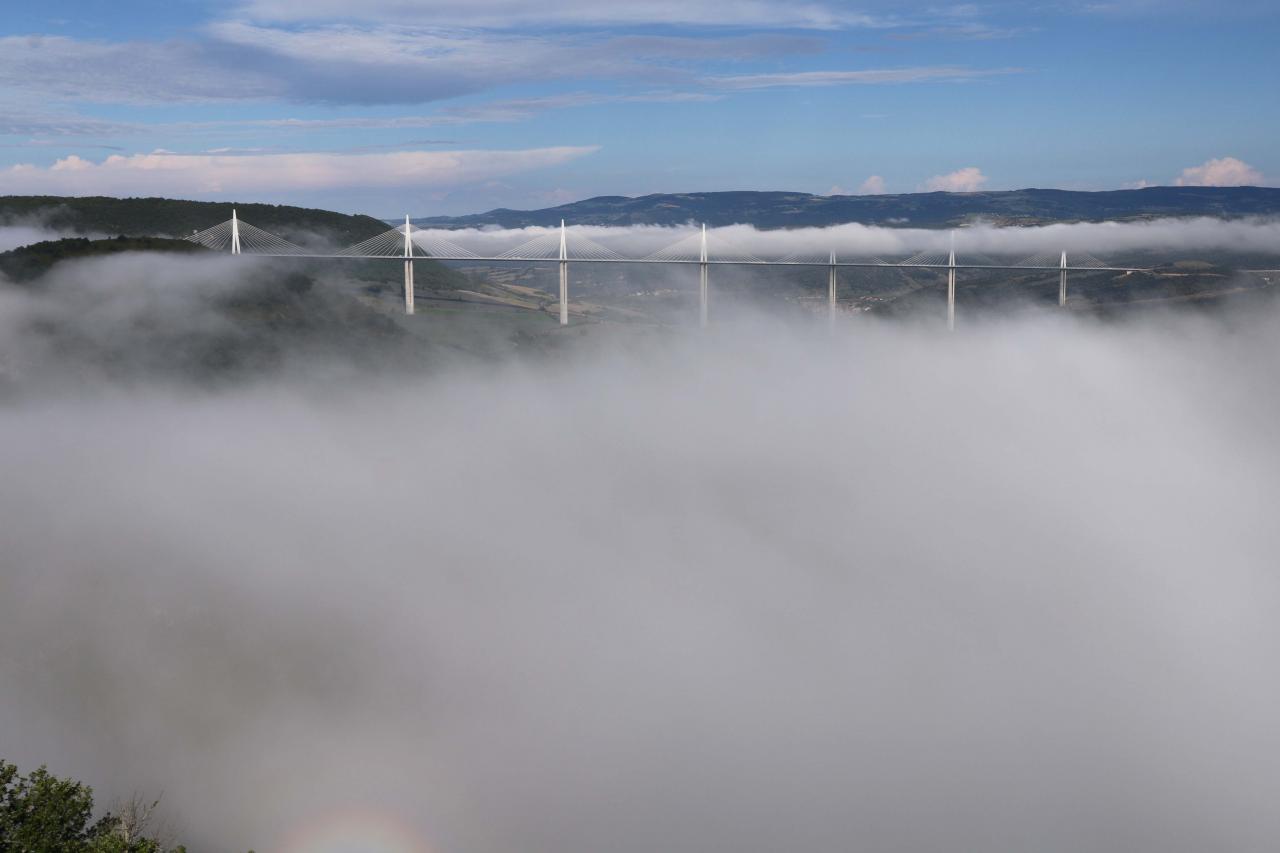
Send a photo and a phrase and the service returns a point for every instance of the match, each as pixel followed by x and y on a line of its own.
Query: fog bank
pixel 13 236
pixel 764 589
pixel 1258 235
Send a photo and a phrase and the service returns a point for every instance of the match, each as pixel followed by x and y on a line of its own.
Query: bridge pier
pixel 408 265
pixel 831 292
pixel 408 287
pixel 951 287
pixel 397 243
pixel 704 295
pixel 1062 283
pixel 564 277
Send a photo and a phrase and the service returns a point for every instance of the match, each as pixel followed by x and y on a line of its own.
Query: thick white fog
pixel 851 240
pixel 14 235
pixel 764 589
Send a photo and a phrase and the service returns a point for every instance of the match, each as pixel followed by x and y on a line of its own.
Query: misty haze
pixel 773 428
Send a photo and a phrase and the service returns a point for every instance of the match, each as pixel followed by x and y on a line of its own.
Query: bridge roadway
pixel 405 244
pixel 695 262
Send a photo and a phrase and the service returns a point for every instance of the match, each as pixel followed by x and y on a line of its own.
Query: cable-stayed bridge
pixel 565 245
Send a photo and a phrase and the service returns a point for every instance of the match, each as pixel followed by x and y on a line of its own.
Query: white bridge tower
pixel 1062 283
pixel 564 276
pixel 951 286
pixel 703 294
pixel 408 266
pixel 831 291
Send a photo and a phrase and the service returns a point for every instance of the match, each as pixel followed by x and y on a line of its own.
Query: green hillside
pixel 152 224
pixel 27 263
pixel 166 217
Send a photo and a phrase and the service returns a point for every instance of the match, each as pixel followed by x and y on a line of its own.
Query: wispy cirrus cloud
pixel 970 31
pixel 405 64
pixel 203 174
pixel 61 123
pixel 348 64
pixel 57 67
pixel 862 77
pixel 510 110
pixel 525 14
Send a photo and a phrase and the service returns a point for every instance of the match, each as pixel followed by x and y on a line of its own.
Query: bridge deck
pixel 695 262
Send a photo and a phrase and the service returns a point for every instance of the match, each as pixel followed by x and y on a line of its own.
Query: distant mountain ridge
pixel 918 210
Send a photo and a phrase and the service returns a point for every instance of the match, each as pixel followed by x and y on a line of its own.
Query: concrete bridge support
pixel 704 295
pixel 1062 283
pixel 564 277
pixel 408 287
pixel 831 292
pixel 408 265
pixel 951 287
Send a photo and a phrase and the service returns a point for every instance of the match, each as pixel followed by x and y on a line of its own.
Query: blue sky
pixel 453 106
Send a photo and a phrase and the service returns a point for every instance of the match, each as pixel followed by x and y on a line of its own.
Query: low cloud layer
pixel 760 589
pixel 852 241
pixel 13 236
pixel 166 173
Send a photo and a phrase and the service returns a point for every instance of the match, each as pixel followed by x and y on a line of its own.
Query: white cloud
pixel 239 60
pixel 41 122
pixel 1222 172
pixel 124 72
pixel 415 64
pixel 967 180
pixel 873 185
pixel 184 174
pixel 525 14
pixel 870 76
pixel 511 110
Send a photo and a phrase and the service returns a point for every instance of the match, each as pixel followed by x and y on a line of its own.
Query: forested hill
pixel 30 262
pixel 920 210
pixel 165 217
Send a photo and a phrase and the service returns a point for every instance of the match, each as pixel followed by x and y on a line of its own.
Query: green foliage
pixel 30 262
pixel 41 813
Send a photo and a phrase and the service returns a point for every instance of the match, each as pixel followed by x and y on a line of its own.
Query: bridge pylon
pixel 951 286
pixel 564 276
pixel 235 232
pixel 408 266
pixel 703 289
pixel 1062 283
pixel 831 292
